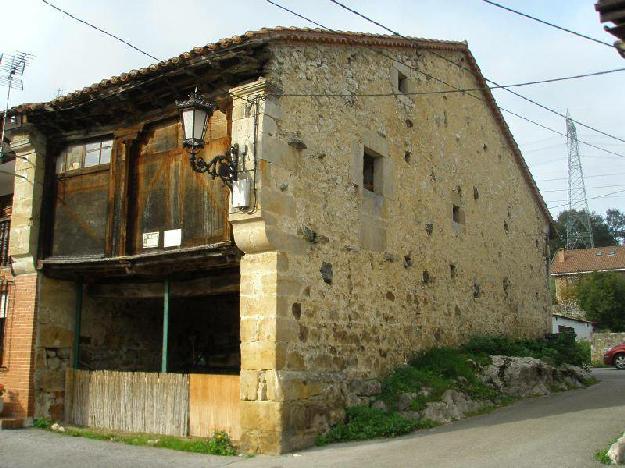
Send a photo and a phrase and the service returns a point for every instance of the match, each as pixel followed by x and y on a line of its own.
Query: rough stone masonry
pixel 341 284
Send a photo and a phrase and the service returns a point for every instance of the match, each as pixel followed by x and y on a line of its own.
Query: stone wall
pixel 601 341
pixel 449 244
pixel 53 349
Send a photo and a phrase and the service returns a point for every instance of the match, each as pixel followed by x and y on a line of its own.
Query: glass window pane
pixel 74 157
pixel 95 146
pixel 60 163
pixel 199 122
pixel 187 118
pixel 105 156
pixel 92 158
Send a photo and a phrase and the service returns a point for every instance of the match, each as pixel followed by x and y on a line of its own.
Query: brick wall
pixel 18 355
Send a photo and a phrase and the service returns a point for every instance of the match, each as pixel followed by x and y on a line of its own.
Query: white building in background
pixel 583 328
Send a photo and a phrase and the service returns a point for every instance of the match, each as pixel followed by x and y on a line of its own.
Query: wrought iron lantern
pixel 194 115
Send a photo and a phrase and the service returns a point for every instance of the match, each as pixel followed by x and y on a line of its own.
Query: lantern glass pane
pixel 187 123
pixel 199 124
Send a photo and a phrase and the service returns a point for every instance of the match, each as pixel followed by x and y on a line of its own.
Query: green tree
pixel 601 233
pixel 602 296
pixel 616 224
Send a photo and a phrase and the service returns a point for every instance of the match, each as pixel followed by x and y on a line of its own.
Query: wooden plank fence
pixel 128 401
pixel 214 404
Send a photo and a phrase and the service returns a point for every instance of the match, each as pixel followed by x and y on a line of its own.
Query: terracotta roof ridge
pixel 264 34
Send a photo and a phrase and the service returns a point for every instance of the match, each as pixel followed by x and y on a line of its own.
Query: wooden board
pixel 214 405
pixel 81 213
pixel 169 195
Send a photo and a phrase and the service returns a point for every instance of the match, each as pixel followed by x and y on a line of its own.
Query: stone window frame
pixel 402 82
pixel 377 146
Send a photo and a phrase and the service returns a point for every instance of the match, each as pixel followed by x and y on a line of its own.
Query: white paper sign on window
pixel 150 240
pixel 172 238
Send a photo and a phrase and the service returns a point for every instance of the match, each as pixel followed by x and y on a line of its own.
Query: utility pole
pixel 578 229
pixel 11 69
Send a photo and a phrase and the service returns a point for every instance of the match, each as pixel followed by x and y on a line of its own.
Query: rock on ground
pixel 617 451
pixel 526 376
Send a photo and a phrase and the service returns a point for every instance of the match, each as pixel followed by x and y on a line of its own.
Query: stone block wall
pixel 450 243
pixel 601 341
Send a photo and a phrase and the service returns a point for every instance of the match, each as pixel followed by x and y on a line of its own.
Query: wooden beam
pixel 77 323
pixel 165 326
pixel 225 282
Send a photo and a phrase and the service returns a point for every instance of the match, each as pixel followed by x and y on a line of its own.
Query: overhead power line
pixel 547 23
pixel 497 85
pixel 117 38
pixel 464 90
pixel 566 189
pixel 585 177
pixel 294 13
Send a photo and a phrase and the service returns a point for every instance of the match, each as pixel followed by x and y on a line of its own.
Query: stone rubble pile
pixel 517 377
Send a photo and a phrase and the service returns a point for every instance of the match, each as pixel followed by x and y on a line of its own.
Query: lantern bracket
pixel 224 166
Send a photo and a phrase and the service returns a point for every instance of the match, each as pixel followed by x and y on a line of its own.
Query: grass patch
pixel 363 423
pixel 218 444
pixel 602 455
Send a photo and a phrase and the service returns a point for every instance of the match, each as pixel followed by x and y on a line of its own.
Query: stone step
pixel 11 423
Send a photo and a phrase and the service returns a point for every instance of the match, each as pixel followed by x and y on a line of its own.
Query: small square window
pixel 372 172
pixel 402 82
pixel 458 214
pixel 368 172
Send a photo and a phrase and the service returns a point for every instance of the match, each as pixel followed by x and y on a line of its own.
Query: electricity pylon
pixel 578 229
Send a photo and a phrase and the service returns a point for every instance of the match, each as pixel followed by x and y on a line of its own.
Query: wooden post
pixel 165 326
pixel 77 320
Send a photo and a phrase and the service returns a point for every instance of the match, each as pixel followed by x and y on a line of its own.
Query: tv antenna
pixel 578 228
pixel 11 71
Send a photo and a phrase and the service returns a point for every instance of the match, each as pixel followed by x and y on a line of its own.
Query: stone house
pixel 568 266
pixel 372 216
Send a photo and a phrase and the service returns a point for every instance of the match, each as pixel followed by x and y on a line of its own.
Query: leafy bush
pixel 557 349
pixel 602 296
pixel 42 423
pixel 364 423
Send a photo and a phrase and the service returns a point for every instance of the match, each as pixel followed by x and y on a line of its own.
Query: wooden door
pixel 214 405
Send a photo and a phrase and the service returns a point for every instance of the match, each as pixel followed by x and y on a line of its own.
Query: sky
pixel 508 48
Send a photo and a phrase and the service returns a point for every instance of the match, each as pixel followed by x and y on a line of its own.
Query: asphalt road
pixel 562 430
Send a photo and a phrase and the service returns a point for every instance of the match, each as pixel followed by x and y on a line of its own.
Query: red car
pixel 615 356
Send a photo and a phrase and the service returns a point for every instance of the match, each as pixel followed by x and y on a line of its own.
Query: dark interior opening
pixel 126 333
pixel 204 335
